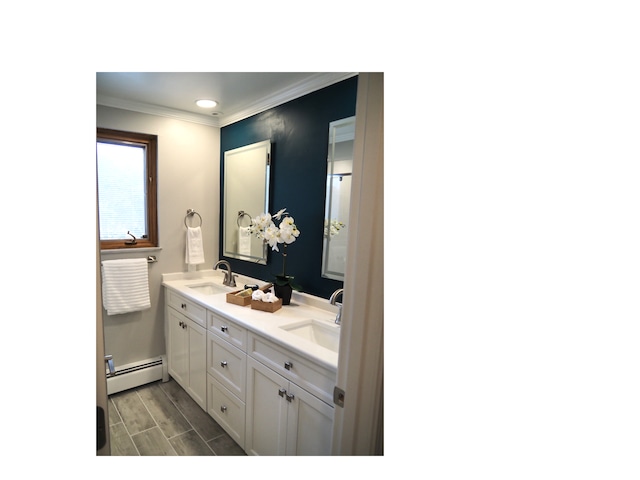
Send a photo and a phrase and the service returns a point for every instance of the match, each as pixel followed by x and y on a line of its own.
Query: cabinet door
pixel 197 363
pixel 309 424
pixel 177 347
pixel 266 420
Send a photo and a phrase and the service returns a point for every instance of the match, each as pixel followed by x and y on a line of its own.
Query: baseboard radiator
pixel 139 373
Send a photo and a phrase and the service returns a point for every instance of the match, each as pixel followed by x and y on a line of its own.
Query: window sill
pixel 118 251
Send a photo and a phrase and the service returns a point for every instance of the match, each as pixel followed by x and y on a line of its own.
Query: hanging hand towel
pixel 125 285
pixel 195 253
pixel 244 240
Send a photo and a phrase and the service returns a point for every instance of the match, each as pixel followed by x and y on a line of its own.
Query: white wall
pixel 188 177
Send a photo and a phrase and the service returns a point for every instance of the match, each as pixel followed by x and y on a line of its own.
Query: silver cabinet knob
pixel 184 306
pixel 223 408
pixel 290 397
pixel 288 365
pixel 223 364
pixel 282 392
pixel 224 328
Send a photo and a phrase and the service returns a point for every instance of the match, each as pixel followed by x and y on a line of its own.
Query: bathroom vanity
pixel 266 378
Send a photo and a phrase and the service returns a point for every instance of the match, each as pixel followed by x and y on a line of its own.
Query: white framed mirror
pixel 338 196
pixel 246 195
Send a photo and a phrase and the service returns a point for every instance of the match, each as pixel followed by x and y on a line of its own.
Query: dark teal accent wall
pixel 299 134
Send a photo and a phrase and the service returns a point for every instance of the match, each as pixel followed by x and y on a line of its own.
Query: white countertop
pixel 302 307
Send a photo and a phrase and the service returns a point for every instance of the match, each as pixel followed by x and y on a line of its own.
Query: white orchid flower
pixel 259 224
pixel 263 220
pixel 288 222
pixel 263 227
pixel 280 213
pixel 272 236
pixel 287 237
pixel 288 230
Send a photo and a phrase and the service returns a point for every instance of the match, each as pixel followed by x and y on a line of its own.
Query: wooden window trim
pixel 151 143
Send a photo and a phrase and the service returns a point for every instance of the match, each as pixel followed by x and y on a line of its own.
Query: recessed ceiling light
pixel 206 103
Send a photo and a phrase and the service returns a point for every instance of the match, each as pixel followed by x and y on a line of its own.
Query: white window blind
pixel 121 190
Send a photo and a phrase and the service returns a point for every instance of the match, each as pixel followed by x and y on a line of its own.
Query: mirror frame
pixel 337 134
pixel 238 185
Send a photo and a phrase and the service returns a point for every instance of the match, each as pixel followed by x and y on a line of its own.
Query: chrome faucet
pixel 332 301
pixel 229 277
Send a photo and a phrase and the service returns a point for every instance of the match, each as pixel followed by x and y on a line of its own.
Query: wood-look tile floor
pixel 162 419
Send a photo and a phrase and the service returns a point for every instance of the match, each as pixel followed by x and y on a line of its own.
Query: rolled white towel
pixel 264 297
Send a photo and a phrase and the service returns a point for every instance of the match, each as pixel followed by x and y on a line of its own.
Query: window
pixel 127 205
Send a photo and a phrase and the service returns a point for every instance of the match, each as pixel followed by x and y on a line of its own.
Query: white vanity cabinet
pixel 282 416
pixel 258 382
pixel 187 346
pixel 226 375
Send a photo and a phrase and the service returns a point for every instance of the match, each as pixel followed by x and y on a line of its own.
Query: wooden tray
pixel 244 301
pixel 266 306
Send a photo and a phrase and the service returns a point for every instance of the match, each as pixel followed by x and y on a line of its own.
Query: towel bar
pixel 152 259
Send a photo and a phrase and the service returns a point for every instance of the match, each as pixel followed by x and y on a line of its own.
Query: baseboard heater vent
pixel 139 373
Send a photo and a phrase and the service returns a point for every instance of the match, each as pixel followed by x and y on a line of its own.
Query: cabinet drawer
pixel 227 364
pixel 192 310
pixel 317 380
pixel 226 409
pixel 227 330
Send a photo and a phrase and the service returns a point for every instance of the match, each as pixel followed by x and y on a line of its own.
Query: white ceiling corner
pixel 174 98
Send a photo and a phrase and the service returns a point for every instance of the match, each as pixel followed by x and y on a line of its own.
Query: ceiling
pixel 239 95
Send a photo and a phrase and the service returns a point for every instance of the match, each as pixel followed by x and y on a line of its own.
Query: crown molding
pixel 313 83
pixel 156 110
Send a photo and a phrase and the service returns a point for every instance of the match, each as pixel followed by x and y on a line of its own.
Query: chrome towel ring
pixel 190 213
pixel 241 215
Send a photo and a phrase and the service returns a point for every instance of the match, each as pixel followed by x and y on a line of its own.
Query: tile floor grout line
pixel 155 421
pixel 187 420
pixel 182 412
pixel 125 426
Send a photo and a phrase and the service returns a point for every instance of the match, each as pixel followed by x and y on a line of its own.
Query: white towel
pixel 244 240
pixel 264 297
pixel 125 285
pixel 194 254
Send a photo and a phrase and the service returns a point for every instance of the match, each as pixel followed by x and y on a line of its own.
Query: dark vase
pixel 284 293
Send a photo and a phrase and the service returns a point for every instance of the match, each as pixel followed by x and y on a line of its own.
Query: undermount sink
pixel 209 288
pixel 320 333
